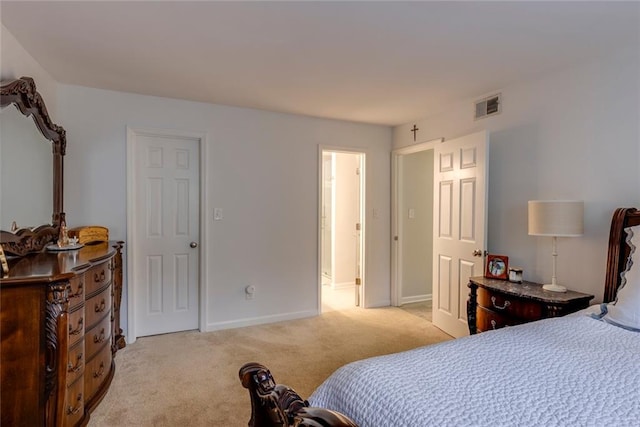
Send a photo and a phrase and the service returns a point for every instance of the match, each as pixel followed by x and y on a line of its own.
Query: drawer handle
pixel 493 324
pixel 100 308
pixel 97 339
pixel 71 410
pixel 506 304
pixel 77 367
pixel 99 277
pixel 99 372
pixel 79 292
pixel 77 330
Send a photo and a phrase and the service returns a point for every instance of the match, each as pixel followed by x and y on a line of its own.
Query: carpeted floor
pixel 420 309
pixel 191 378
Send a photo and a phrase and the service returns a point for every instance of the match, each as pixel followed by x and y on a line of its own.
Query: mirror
pixel 22 144
pixel 31 167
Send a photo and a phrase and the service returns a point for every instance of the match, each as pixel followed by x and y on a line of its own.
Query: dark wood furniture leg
pixel 278 405
pixel 472 303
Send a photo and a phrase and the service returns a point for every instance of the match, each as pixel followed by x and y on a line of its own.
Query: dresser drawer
pixel 97 336
pixel 510 306
pixel 97 371
pixel 488 320
pixel 97 307
pixel 74 404
pixel 75 365
pixel 76 326
pixel 98 276
pixel 76 295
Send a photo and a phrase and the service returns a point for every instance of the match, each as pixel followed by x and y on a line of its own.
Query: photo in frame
pixel 497 267
pixel 4 266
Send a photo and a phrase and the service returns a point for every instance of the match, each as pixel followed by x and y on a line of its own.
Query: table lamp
pixel 556 218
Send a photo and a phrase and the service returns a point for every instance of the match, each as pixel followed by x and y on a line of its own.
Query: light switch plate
pixel 217 214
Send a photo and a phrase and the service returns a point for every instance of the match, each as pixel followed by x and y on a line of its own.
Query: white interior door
pixel 327 216
pixel 460 224
pixel 359 164
pixel 166 233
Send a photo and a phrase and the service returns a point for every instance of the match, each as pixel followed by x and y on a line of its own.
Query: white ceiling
pixel 375 62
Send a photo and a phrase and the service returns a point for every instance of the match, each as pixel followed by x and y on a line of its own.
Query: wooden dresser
pixel 494 304
pixel 60 330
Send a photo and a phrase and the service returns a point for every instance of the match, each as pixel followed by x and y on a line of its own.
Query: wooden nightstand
pixel 494 304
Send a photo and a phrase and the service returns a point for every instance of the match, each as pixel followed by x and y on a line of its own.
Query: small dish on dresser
pixel 55 248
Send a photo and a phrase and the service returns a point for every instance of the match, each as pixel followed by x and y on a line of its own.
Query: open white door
pixel 460 224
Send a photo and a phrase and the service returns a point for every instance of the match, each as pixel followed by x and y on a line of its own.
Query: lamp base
pixel 554 288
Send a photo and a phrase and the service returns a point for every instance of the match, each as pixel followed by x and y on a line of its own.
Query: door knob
pixel 477 252
pixel 193 244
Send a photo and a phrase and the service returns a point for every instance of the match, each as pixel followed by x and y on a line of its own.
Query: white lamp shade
pixel 561 218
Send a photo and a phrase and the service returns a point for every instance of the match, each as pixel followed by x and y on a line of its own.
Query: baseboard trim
pixel 415 298
pixel 252 321
pixel 377 304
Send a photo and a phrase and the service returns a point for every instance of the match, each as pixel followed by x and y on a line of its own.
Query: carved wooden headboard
pixel 618 249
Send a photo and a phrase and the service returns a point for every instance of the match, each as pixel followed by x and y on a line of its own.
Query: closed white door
pixel 166 233
pixel 459 234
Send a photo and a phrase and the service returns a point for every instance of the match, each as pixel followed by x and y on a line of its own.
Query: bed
pixel 579 370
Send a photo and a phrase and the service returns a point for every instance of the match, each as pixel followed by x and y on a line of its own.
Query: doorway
pixel 164 229
pixel 412 219
pixel 341 229
pixel 459 223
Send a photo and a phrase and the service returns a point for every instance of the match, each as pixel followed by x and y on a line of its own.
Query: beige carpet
pixel 191 378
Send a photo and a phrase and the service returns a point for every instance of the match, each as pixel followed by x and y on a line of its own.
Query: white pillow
pixel 625 310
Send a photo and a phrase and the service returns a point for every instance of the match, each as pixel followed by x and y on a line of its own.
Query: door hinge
pixel 357 171
pixel 357 226
pixel 358 282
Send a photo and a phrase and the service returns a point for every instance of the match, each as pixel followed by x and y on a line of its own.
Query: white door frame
pixel 132 134
pixel 363 215
pixel 396 218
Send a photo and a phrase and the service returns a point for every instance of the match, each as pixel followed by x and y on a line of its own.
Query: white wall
pixel 572 134
pixel 262 170
pixel 15 62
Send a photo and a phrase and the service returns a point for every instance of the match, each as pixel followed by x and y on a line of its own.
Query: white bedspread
pixel 570 371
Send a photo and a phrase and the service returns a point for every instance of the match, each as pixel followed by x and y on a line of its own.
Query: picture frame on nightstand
pixel 4 266
pixel 497 267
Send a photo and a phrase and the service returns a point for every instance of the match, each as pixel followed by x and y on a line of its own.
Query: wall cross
pixel 415 131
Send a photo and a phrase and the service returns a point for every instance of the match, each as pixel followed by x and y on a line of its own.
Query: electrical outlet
pixel 249 291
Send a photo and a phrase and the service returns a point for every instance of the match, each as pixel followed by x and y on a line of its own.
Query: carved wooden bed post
pixel 278 405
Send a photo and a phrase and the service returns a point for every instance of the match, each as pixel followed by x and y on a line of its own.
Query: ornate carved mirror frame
pixel 23 94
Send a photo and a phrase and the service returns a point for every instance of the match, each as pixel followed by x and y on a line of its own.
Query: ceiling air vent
pixel 488 106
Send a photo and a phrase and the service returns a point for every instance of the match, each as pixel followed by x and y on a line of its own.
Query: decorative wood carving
pixel 278 405
pixel 23 94
pixel 118 337
pixel 618 249
pixel 56 357
pixel 26 240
